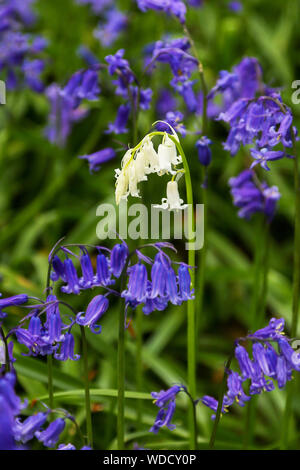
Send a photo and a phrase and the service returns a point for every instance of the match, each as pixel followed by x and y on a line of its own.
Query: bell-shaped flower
pixel 86 281
pixel 25 431
pixel 67 349
pixel 173 200
pixel 137 284
pixel 158 276
pixel 184 281
pixel 72 280
pixel 103 276
pixel 50 436
pixel 118 258
pixel 96 308
pixel 167 156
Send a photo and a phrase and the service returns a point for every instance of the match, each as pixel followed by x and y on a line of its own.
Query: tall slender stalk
pixel 220 403
pixel 296 295
pixel 121 379
pixel 50 380
pixel 121 364
pixel 139 364
pixel 191 314
pixel 260 283
pixel 89 426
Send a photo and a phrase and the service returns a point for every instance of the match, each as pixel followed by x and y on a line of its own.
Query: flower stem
pixel 191 314
pixel 121 379
pixel 296 294
pixel 89 426
pixel 220 403
pixel 121 363
pixel 139 364
pixel 50 380
pixel 260 287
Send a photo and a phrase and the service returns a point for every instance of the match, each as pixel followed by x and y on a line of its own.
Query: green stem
pixel 296 294
pixel 191 314
pixel 50 380
pixel 260 287
pixel 121 379
pixel 220 402
pixel 202 80
pixel 121 364
pixel 89 426
pixel 139 363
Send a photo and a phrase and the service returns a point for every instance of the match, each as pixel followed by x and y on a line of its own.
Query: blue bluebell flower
pixel 72 280
pixel 97 6
pixel 32 71
pixel 166 102
pixel 173 7
pixel 96 159
pixel 108 31
pixel 25 431
pixel 10 302
pixel 87 279
pixel 58 271
pixel 53 333
pixel 67 349
pixel 137 284
pixel 204 150
pixel 158 277
pixel 264 155
pixel 103 274
pixel 267 367
pixel 165 400
pixel 120 123
pixel 7 441
pixel 118 258
pixel 235 6
pixel 174 118
pixel 96 308
pixel 86 54
pixel 252 198
pixel 184 283
pixel 50 436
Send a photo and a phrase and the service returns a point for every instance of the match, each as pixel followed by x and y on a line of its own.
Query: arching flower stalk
pixel 170 159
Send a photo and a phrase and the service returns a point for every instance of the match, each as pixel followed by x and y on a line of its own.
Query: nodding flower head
pixel 165 400
pixel 118 258
pixel 139 162
pixel 103 275
pixel 11 301
pixel 266 367
pixel 67 349
pixel 137 284
pixel 50 436
pixel 25 431
pixel 173 200
pixel 96 308
pixel 72 280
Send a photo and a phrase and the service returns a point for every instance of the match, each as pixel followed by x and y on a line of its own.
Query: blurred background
pixel 47 192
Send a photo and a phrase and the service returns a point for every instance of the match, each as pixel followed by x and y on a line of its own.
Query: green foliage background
pixel 47 192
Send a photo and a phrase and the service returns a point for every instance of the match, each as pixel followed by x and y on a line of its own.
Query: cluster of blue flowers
pixel 15 431
pixel 257 117
pixel 166 401
pixel 153 293
pixel 19 51
pixel 48 333
pixel 65 103
pixel 252 197
pixel 273 360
